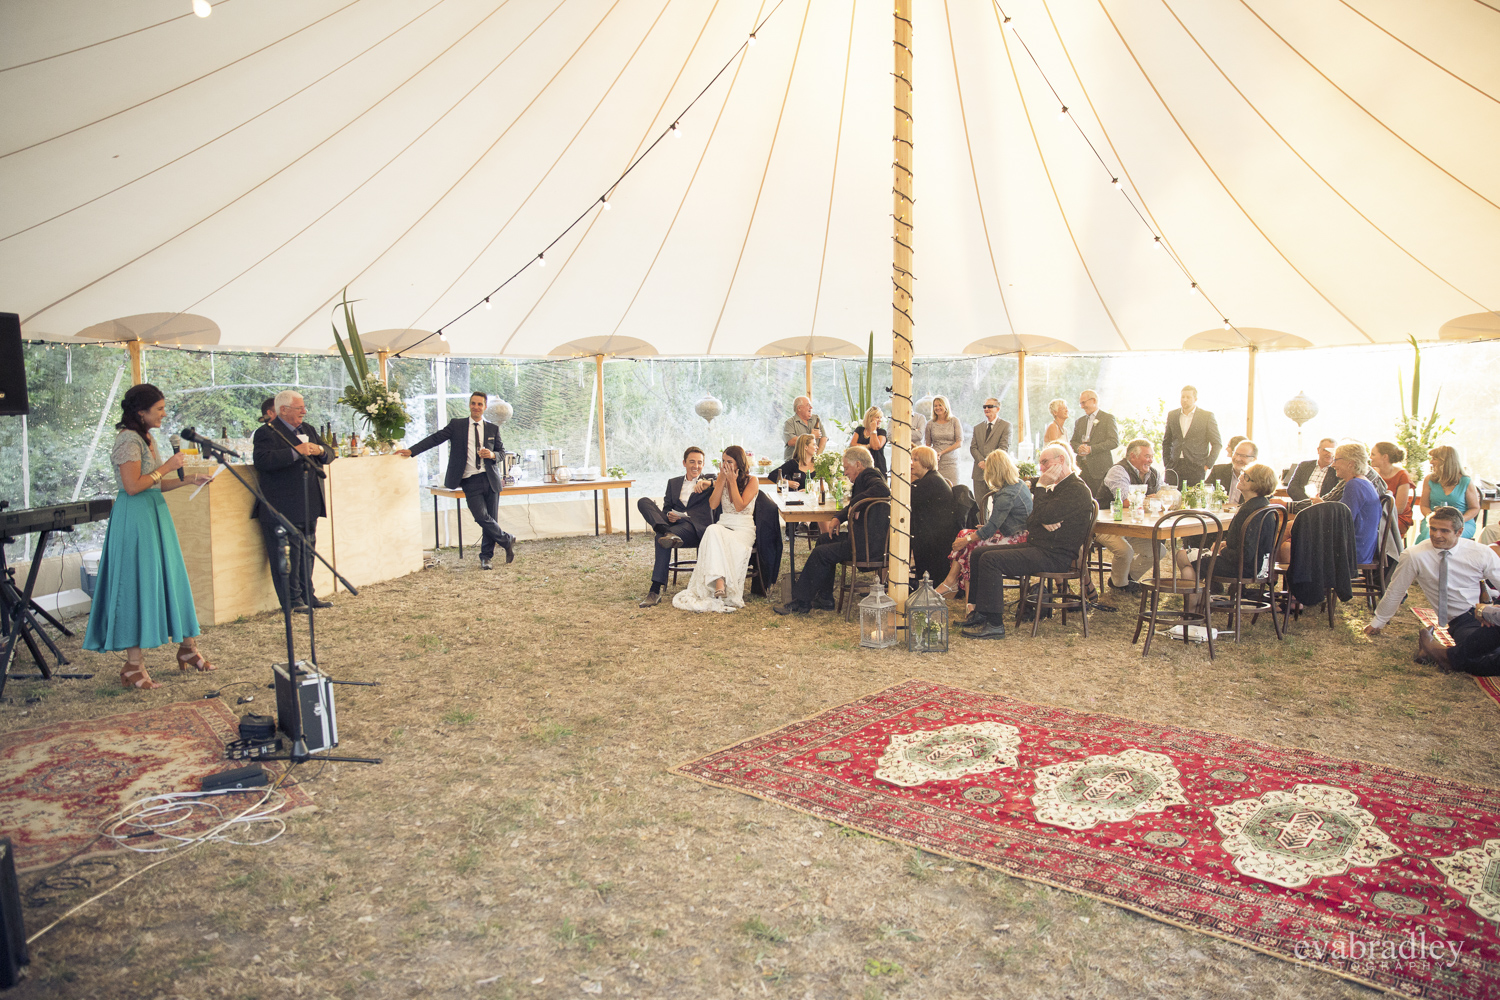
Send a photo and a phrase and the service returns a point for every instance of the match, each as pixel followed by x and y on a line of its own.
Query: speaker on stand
pixel 13 398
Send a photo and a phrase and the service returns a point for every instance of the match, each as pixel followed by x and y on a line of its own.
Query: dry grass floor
pixel 524 839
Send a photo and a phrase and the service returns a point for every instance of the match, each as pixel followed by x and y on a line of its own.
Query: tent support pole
pixel 1021 430
pixel 382 357
pixel 135 347
pixel 898 551
pixel 609 526
pixel 808 358
pixel 1250 398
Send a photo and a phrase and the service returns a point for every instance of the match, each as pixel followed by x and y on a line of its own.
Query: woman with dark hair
pixel 142 597
pixel 724 550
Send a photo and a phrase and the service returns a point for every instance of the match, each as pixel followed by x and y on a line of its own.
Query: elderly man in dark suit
pixel 813 587
pixel 990 434
pixel 682 518
pixel 1094 440
pixel 1314 477
pixel 1191 441
pixel 288 457
pixel 475 458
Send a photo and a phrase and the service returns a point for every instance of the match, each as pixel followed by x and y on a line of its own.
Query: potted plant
pixel 376 403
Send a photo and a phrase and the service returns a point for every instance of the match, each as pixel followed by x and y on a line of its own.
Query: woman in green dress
pixel 142 597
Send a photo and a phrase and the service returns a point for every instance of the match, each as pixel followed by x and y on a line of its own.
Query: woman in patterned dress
pixel 1010 506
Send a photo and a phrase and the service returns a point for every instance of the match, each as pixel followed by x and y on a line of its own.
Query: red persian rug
pixel 60 782
pixel 1381 876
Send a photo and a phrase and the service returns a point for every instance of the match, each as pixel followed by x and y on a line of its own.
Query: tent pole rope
pixel 898 550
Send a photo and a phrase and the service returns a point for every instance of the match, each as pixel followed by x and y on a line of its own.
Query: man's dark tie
pixel 478 462
pixel 1442 601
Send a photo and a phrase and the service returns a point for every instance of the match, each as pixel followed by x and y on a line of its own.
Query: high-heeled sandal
pixel 193 658
pixel 944 591
pixel 134 676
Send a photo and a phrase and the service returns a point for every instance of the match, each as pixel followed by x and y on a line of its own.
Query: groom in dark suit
pixel 282 447
pixel 686 517
pixel 475 458
pixel 1191 441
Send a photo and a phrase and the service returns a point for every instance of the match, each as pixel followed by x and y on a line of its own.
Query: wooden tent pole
pixel 898 551
pixel 1020 402
pixel 1250 398
pixel 609 527
pixel 382 357
pixel 809 375
pixel 135 347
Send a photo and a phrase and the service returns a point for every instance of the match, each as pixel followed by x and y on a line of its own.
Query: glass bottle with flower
pixel 375 402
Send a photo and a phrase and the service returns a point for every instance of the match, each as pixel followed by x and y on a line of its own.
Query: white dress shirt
pixel 1315 480
pixel 471 463
pixel 1185 420
pixel 1088 428
pixel 687 490
pixel 1468 561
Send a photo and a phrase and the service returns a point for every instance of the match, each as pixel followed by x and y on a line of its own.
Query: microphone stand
pixel 299 752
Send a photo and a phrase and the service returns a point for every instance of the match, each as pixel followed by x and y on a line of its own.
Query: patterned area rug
pixel 1381 876
pixel 60 782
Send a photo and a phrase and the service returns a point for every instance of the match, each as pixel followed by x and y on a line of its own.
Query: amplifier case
pixel 314 693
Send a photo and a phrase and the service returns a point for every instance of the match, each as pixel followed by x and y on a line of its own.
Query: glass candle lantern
pixel 877 619
pixel 926 620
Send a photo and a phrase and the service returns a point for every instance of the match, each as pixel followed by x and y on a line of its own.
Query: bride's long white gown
pixel 723 554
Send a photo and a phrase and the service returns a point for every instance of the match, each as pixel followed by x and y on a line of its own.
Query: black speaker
pixel 13 401
pixel 13 953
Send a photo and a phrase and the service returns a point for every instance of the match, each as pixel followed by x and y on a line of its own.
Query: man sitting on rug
pixel 1061 517
pixel 1448 568
pixel 813 587
pixel 686 518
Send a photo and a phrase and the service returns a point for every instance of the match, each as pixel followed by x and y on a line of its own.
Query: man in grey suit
pixel 1191 442
pixel 989 435
pixel 1094 440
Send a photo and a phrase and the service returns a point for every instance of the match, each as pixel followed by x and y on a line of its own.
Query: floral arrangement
pixel 615 472
pixel 829 468
pixel 372 399
pixel 1027 470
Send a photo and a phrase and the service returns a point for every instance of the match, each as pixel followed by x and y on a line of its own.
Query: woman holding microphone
pixel 142 597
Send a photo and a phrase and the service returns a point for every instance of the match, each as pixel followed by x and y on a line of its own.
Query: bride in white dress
pixel 718 581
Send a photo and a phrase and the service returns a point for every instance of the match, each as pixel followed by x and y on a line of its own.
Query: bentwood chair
pixel 1172 533
pixel 1052 590
pixel 681 565
pixel 1370 581
pixel 1315 520
pixel 869 521
pixel 1268 521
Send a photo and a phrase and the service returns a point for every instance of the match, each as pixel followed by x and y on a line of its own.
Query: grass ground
pixel 523 838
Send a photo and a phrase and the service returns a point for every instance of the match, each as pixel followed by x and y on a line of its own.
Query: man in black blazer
pixel 475 458
pixel 282 449
pixel 1191 441
pixel 813 587
pixel 1315 476
pixel 686 517
pixel 1094 440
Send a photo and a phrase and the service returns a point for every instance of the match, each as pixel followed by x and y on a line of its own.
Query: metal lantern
pixel 708 407
pixel 877 619
pixel 926 620
pixel 500 411
pixel 1300 408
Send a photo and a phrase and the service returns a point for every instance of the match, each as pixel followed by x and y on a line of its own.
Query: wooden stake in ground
pixel 899 548
pixel 135 347
pixel 609 527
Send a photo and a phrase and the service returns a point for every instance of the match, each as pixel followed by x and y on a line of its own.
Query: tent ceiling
pixel 1318 167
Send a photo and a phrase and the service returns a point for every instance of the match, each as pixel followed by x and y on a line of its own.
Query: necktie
pixel 1442 601
pixel 478 462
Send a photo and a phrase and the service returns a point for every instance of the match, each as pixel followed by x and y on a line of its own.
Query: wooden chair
pixel 1233 604
pixel 1055 598
pixel 681 565
pixel 862 514
pixel 1370 583
pixel 1309 521
pixel 1164 536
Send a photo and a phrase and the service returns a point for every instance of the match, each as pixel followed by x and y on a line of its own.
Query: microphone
pixel 189 434
pixel 176 440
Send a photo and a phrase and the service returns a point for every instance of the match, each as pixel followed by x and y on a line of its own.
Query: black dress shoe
pixel 485 564
pixel 989 630
pixel 651 600
pixel 975 619
pixel 510 548
pixel 1131 587
pixel 821 603
pixel 792 607
pixel 669 541
pixel 299 608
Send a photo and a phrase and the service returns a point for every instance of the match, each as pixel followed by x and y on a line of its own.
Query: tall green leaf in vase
pixel 375 402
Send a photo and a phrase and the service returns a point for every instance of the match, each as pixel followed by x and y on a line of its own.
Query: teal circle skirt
pixel 142 596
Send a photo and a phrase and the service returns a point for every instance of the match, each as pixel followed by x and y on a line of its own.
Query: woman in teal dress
pixel 1447 486
pixel 142 597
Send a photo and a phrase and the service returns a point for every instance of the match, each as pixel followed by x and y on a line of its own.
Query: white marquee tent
pixel 1326 171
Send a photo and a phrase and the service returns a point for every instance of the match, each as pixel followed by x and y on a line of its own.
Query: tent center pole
pixel 898 551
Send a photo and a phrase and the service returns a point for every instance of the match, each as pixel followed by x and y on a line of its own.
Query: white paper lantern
pixel 500 411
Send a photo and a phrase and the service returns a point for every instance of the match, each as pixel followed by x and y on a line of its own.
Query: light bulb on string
pixel 1226 324
pixel 1193 288
pixel 752 38
pixel 541 261
pixel 202 8
pixel 676 130
pixel 487 302
pixel 1062 112
pixel 443 336
pixel 1116 182
pixel 607 205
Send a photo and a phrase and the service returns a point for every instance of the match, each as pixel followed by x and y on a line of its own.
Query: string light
pixel 676 131
pixel 1226 324
pixel 1116 182
pixel 1193 288
pixel 752 38
pixel 442 336
pixel 1062 112
pixel 605 199
pixel 202 8
pixel 541 261
pixel 487 302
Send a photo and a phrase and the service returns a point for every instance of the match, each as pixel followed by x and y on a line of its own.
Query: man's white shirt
pixel 1468 561
pixel 471 464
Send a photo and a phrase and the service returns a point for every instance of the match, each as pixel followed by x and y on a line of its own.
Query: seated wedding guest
pixel 814 585
pixel 1242 452
pixel 1448 486
pixel 1010 505
pixel 796 470
pixel 802 421
pixel 1315 477
pixel 1386 459
pixel 1236 556
pixel 934 518
pixel 718 581
pixel 686 517
pixel 1449 569
pixel 872 436
pixel 945 435
pixel 142 596
pixel 1222 471
pixel 1062 516
pixel 1354 490
pixel 1129 558
pixel 1057 430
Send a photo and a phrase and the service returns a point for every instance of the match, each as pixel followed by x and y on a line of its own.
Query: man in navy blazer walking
pixel 686 517
pixel 475 460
